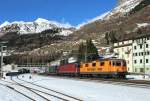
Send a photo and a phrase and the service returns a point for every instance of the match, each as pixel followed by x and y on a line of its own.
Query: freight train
pixel 113 68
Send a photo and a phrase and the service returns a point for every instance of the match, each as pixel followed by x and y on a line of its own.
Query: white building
pixel 5 53
pixel 141 55
pixel 55 63
pixel 9 68
pixel 123 50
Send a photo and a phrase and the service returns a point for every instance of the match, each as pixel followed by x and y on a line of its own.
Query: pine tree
pixel 81 52
pixel 87 52
pixel 92 53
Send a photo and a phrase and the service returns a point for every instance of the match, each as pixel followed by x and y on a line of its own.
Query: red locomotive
pixel 71 69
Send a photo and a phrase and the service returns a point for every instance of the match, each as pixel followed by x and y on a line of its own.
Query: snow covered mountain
pixel 121 23
pixel 37 26
pixel 123 8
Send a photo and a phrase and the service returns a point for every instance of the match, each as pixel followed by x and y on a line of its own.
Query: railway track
pixel 125 83
pixel 36 91
pixel 43 91
pixel 35 96
pixel 48 91
pixel 9 87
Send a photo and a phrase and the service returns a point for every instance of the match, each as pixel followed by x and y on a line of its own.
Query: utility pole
pixel 86 54
pixel 1 73
pixel 2 46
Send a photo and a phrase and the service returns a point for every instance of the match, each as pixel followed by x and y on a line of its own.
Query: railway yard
pixel 31 87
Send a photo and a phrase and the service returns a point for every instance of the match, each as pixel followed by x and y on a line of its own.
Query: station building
pixel 141 55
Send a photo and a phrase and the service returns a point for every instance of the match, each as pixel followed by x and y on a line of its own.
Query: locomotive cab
pixel 119 67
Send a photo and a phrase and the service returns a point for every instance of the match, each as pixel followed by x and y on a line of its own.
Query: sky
pixel 72 11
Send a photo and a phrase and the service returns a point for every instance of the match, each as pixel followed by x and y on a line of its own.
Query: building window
pixel 136 54
pixel 140 46
pixel 128 62
pixel 147 61
pixel 146 45
pixel 142 53
pixel 135 61
pixel 134 47
pixel 147 38
pixel 141 70
pixel 139 54
pixel 140 60
pixel 148 53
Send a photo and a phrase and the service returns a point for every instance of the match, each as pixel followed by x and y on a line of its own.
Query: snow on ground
pixel 138 77
pixel 92 91
pixel 7 94
pixel 85 90
pixel 143 25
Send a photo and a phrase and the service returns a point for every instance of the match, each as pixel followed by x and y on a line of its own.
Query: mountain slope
pixel 143 4
pixel 117 25
pixel 37 26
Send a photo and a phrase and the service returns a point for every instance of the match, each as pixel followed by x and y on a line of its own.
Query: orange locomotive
pixel 107 67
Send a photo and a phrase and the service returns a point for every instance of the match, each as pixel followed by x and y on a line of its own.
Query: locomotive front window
pixel 93 64
pixel 118 63
pixel 86 65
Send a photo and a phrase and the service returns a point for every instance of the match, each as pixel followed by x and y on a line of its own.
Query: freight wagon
pixel 52 70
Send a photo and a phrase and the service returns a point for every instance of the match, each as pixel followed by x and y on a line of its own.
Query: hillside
pixel 118 28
